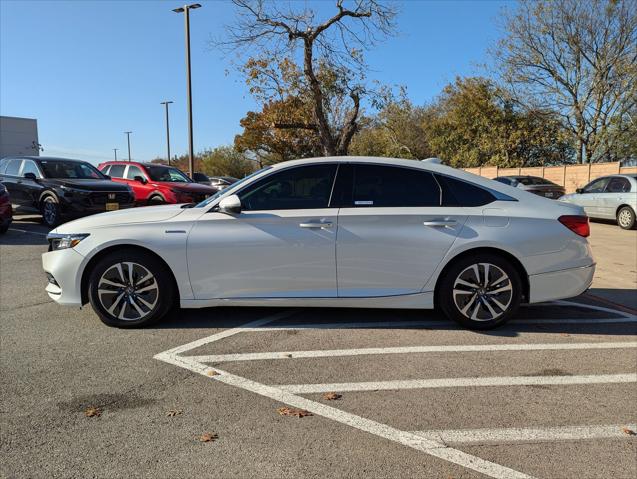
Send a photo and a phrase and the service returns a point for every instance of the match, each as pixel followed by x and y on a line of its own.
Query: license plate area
pixel 112 206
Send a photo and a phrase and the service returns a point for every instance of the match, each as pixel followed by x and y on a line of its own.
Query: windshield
pixel 229 190
pixel 532 180
pixel 167 174
pixel 70 170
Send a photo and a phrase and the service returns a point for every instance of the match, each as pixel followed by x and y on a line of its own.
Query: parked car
pixel 534 184
pixel 217 182
pixel 611 197
pixel 155 184
pixel 6 211
pixel 410 235
pixel 60 188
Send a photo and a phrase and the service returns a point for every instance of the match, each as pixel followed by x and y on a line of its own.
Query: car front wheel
pixel 50 210
pixel 626 218
pixel 480 292
pixel 130 289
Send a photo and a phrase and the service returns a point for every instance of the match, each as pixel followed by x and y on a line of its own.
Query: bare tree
pixel 578 57
pixel 323 49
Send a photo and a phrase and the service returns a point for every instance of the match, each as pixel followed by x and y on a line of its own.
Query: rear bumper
pixel 562 284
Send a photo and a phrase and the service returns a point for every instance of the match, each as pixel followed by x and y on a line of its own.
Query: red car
pixel 6 212
pixel 155 184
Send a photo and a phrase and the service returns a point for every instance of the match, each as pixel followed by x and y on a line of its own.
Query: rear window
pixel 461 193
pixel 533 181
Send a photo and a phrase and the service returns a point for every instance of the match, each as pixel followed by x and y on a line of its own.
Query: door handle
pixel 326 224
pixel 443 223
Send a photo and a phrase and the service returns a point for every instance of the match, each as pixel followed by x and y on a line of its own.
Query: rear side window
pixel 13 167
pixel 461 193
pixel 391 186
pixel 305 187
pixel 618 185
pixel 117 171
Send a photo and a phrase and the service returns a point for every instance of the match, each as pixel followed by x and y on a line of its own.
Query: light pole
pixel 128 140
pixel 167 131
pixel 115 150
pixel 186 11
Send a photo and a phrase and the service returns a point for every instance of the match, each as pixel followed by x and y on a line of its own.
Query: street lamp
pixel 186 11
pixel 115 150
pixel 128 140
pixel 167 131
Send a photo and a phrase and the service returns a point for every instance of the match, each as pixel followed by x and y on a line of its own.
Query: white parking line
pixel 460 382
pixel 502 435
pixel 220 358
pixel 26 231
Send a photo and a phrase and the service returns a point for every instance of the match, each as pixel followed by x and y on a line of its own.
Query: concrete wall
pixel 569 176
pixel 18 136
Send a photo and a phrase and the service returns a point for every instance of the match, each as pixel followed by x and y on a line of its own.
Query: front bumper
pixel 562 284
pixel 65 267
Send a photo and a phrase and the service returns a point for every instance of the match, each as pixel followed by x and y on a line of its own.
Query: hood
pixel 88 185
pixel 191 188
pixel 144 214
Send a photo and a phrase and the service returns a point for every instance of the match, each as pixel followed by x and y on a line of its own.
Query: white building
pixel 18 136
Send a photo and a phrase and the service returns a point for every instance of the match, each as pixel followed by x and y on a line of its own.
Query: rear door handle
pixel 439 223
pixel 325 224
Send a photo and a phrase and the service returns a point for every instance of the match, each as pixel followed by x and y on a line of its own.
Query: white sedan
pixel 337 232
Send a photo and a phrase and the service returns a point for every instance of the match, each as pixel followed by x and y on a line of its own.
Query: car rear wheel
pixel 130 288
pixel 50 210
pixel 626 218
pixel 480 292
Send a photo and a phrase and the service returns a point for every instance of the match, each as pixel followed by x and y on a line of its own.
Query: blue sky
pixel 90 70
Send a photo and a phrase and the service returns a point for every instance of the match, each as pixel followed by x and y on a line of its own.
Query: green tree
pixel 225 161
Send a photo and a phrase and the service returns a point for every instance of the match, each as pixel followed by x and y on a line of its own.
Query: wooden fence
pixel 569 176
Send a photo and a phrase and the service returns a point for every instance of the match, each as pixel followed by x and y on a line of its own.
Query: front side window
pixel 167 174
pixel 391 186
pixel 596 186
pixel 456 192
pixel 134 171
pixel 305 187
pixel 618 185
pixel 29 166
pixel 70 169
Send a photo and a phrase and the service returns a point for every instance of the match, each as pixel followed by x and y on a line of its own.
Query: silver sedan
pixel 609 197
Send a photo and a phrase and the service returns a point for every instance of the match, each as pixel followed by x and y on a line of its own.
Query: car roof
pixel 43 158
pixel 142 163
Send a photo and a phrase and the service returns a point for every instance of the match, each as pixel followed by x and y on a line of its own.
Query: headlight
pixel 63 241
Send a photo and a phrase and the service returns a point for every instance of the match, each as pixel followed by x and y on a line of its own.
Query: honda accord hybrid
pixel 337 232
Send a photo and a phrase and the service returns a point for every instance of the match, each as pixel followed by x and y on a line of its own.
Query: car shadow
pixel 541 318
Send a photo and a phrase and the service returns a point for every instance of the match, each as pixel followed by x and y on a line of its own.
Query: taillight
pixel 577 224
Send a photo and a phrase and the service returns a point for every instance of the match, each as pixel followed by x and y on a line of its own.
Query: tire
pixel 4 227
pixel 135 304
pixel 479 308
pixel 156 200
pixel 626 218
pixel 50 210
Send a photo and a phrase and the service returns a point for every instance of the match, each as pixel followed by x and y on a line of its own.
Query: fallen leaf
pixel 630 432
pixel 212 372
pixel 174 412
pixel 565 334
pixel 209 437
pixel 332 396
pixel 92 411
pixel 288 355
pixel 290 411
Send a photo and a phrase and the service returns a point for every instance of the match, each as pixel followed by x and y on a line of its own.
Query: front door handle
pixel 443 223
pixel 325 224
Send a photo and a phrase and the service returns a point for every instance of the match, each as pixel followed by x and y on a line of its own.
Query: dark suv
pixel 59 187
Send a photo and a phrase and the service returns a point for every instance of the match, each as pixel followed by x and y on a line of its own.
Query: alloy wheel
pixel 50 212
pixel 482 292
pixel 624 218
pixel 128 291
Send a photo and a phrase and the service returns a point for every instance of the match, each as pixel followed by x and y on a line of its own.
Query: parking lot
pixel 551 394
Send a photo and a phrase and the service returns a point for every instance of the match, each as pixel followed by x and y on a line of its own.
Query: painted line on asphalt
pixel 26 231
pixel 622 307
pixel 595 307
pixel 219 358
pixel 460 382
pixel 525 434
pixel 433 448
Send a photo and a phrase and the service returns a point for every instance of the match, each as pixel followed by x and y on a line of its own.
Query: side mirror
pixel 30 176
pixel 579 191
pixel 141 179
pixel 230 205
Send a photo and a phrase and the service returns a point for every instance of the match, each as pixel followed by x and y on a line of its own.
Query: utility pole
pixel 115 150
pixel 128 140
pixel 186 11
pixel 166 103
